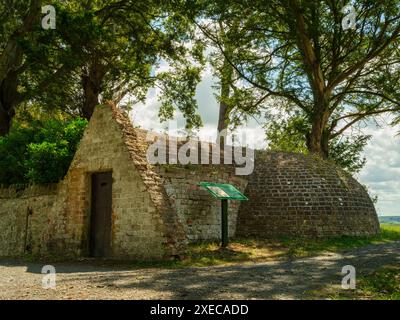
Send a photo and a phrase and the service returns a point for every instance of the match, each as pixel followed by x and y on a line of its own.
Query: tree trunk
pixel 92 81
pixel 5 122
pixel 226 78
pixel 9 98
pixel 91 94
pixel 11 58
pixel 318 137
pixel 223 116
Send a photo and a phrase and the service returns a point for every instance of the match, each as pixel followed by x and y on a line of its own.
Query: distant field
pixel 390 220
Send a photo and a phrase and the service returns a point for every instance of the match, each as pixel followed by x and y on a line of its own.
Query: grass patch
pixel 249 251
pixel 381 284
pixel 299 247
pixel 238 251
pixel 261 250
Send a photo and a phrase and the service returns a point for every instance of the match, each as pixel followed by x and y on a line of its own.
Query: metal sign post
pixel 223 192
pixel 224 223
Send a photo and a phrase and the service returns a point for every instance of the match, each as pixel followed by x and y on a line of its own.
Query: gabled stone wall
pixel 138 230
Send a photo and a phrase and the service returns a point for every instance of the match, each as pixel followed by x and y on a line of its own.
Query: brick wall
pixel 157 210
pixel 137 228
pixel 199 212
pixel 297 195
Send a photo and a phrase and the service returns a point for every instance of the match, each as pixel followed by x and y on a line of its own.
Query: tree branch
pixel 358 117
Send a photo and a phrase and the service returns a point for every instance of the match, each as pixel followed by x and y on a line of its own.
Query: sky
pixel 381 173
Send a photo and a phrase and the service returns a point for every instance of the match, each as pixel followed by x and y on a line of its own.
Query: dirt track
pixel 272 280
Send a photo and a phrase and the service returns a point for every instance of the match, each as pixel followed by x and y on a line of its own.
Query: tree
pixel 297 55
pixel 28 52
pixel 19 19
pixel 114 48
pixel 40 151
pixel 286 133
pixel 100 50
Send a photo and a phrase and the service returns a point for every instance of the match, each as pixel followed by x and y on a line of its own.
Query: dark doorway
pixel 100 222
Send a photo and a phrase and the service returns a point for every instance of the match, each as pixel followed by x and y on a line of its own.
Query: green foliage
pixel 383 283
pixel 100 50
pixel 380 284
pixel 40 152
pixel 298 247
pixel 179 91
pixel 288 134
pixel 47 161
pixel 13 150
pixel 347 152
pixel 295 55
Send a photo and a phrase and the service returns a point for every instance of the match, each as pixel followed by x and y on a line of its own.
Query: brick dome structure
pixel 297 195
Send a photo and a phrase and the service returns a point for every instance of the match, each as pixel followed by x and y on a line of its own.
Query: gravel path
pixel 271 280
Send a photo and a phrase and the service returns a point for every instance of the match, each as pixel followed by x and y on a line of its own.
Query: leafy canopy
pixel 295 55
pixel 40 152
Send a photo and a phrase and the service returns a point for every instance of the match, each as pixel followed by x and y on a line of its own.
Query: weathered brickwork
pixel 297 195
pixel 198 211
pixel 138 230
pixel 22 218
pixel 158 209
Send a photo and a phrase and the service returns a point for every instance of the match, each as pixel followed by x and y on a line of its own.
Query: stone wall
pixel 60 222
pixel 296 195
pixel 156 210
pixel 23 218
pixel 138 231
pixel 199 212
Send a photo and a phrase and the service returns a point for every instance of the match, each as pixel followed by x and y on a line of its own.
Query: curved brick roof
pixel 289 194
pixel 293 194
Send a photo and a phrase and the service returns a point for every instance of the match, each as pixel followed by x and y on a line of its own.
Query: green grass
pixel 261 250
pixel 255 250
pixel 298 247
pixel 381 284
pixel 238 251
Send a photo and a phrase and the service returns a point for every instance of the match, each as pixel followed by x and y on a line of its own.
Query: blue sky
pixel 381 174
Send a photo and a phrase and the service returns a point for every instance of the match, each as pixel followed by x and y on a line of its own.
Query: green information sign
pixel 223 191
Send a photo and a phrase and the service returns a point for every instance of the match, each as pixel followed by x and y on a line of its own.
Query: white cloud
pixel 382 172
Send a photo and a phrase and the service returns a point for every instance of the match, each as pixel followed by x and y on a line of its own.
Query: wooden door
pixel 100 222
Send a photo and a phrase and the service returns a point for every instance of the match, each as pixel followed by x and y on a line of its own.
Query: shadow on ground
pixel 271 280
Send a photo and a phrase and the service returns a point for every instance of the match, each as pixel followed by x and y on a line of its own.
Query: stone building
pixel 297 195
pixel 114 203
